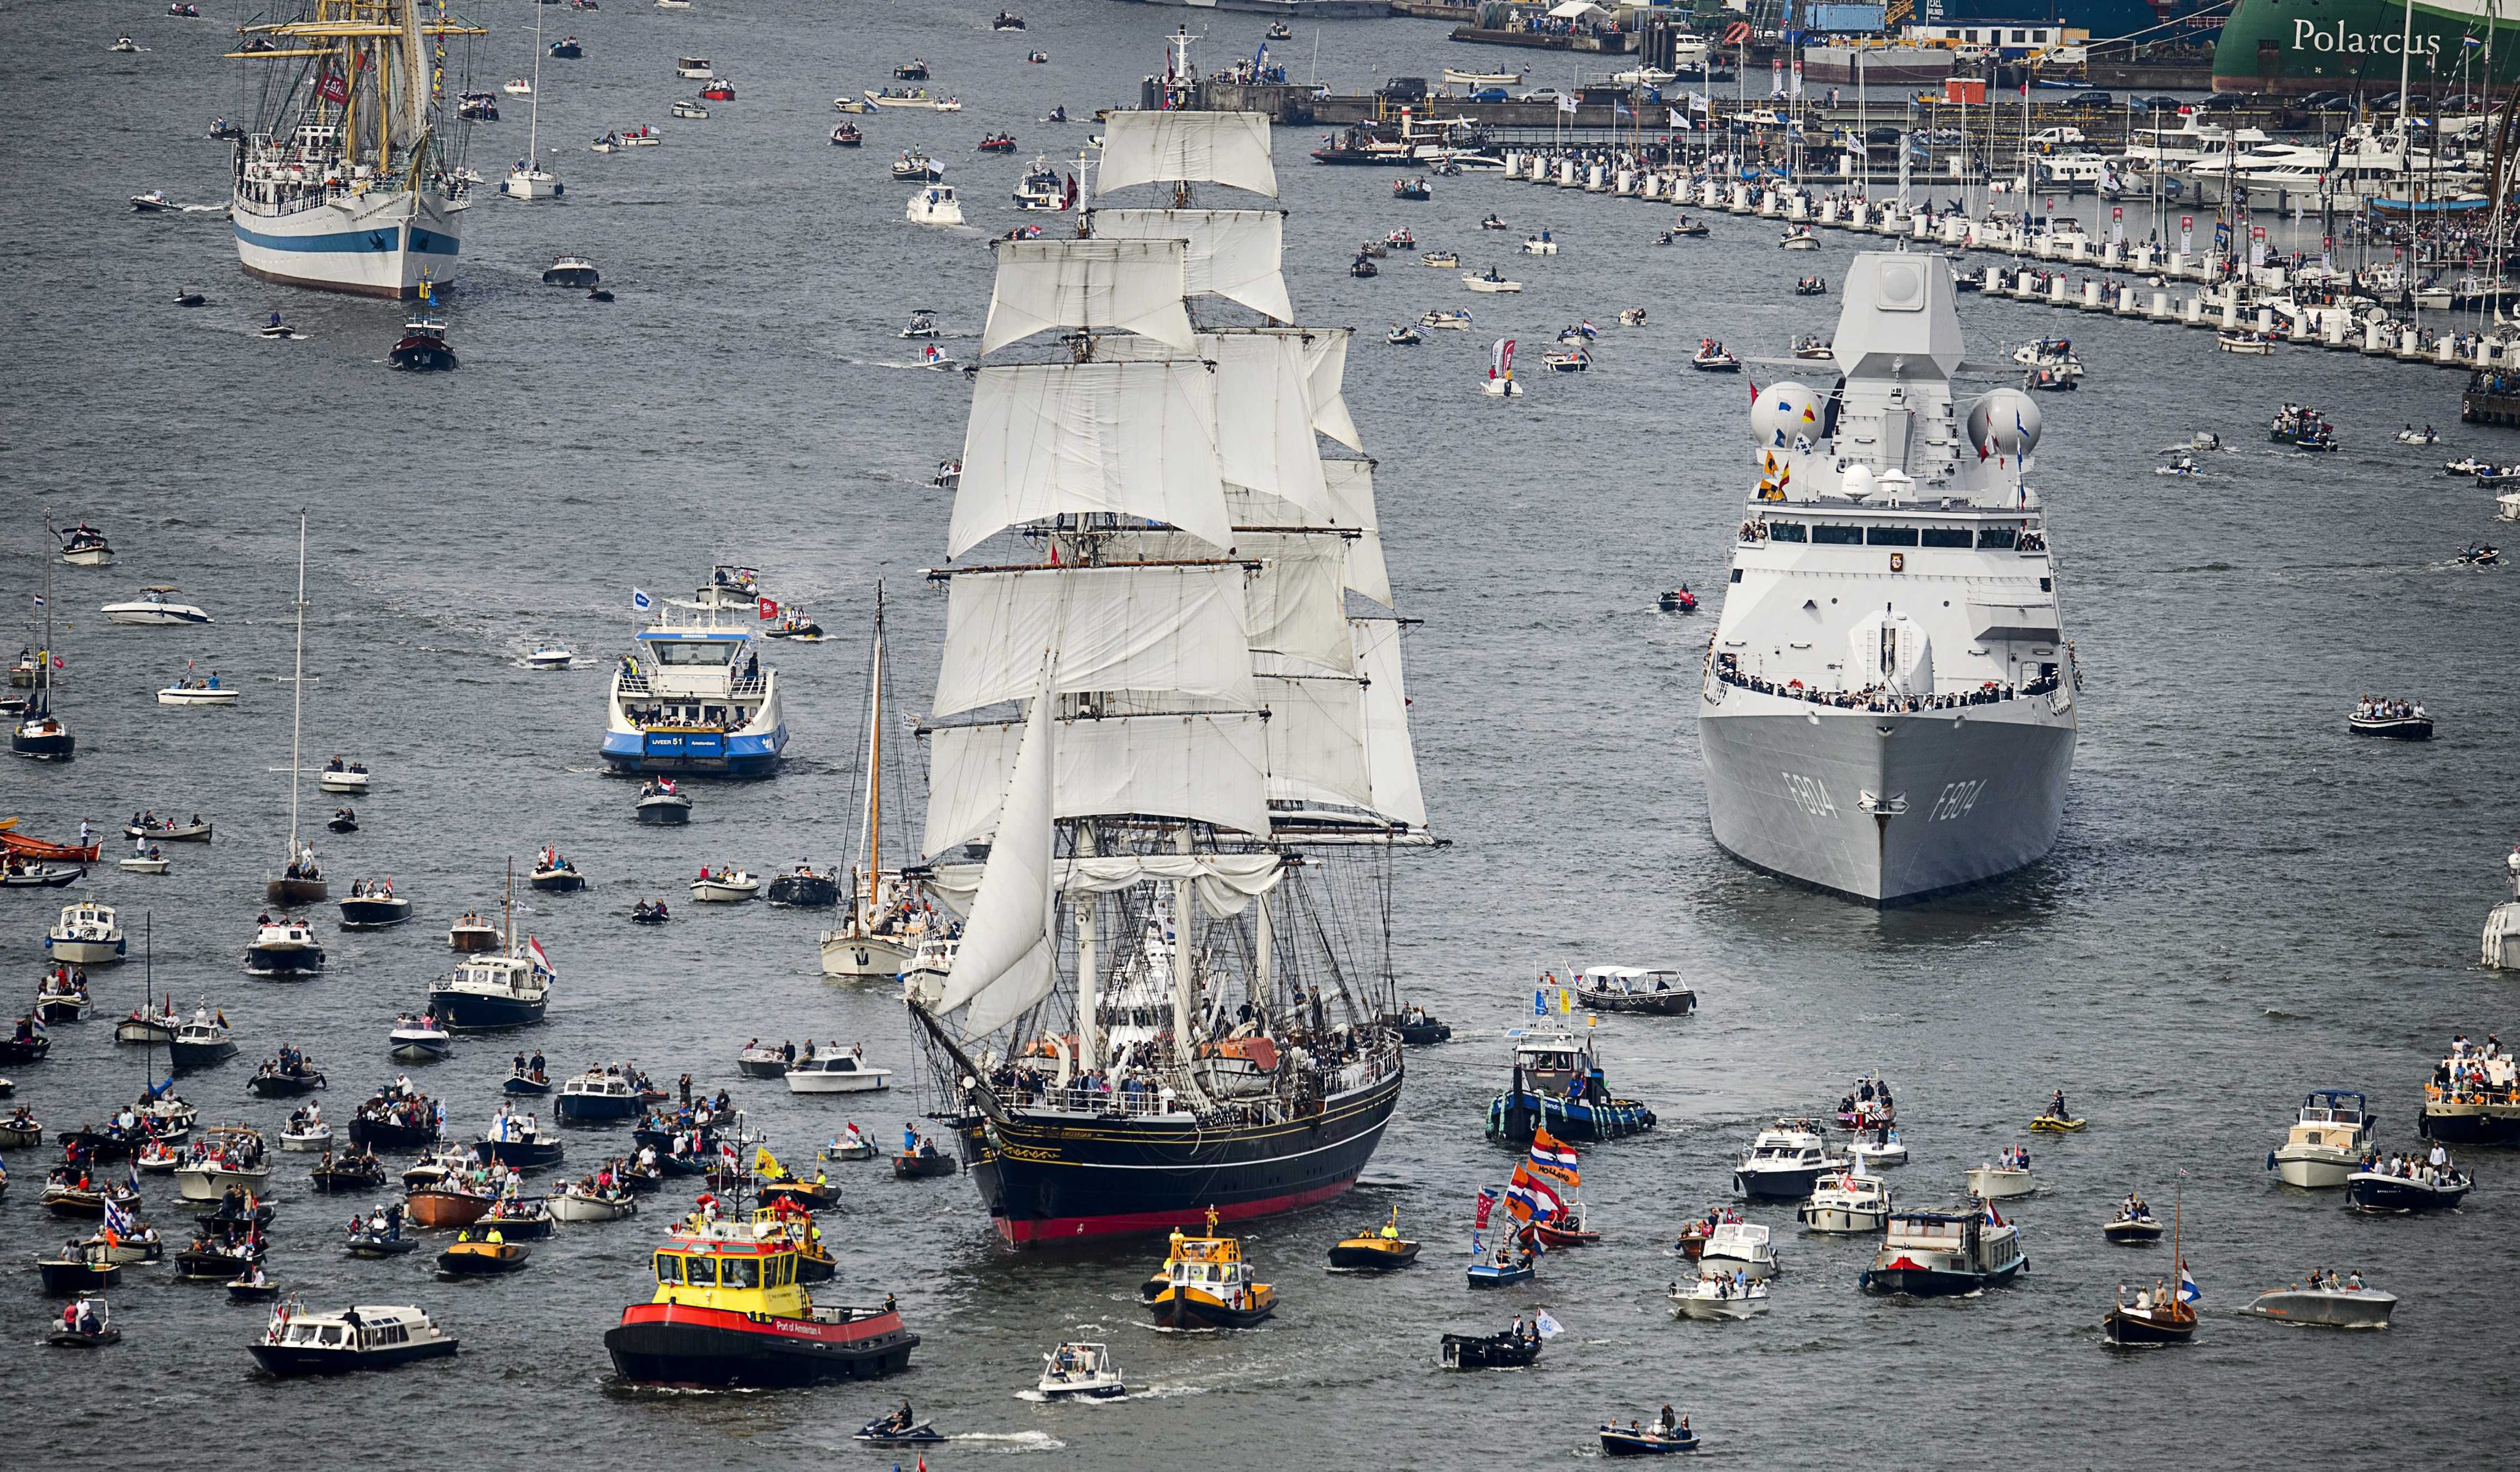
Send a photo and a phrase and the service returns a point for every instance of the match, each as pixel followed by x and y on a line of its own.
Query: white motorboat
pixel 687 108
pixel 84 546
pixel 517 87
pixel 923 980
pixel 1042 188
pixel 371 1336
pixel 143 863
pixel 1847 1203
pixel 576 1202
pixel 2328 1142
pixel 306 1138
pixel 344 777
pixel 695 68
pixel 934 205
pixel 86 935
pixel 419 1040
pixel 153 608
pixel 1079 1371
pixel 1460 77
pixel 1782 1163
pixel 1882 1149
pixel 549 657
pixel 2247 343
pixel 284 948
pixel 1717 1296
pixel 1540 245
pixel 837 1074
pixel 1490 281
pixel 2001 1183
pixel 1739 1247
pixel 199 690
pixel 725 886
pixel 2326 1303
pixel 234 1157
pixel 1799 238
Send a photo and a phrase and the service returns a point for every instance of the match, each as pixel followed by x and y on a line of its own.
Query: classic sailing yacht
pixel 1171 707
pixel 298 882
pixel 529 180
pixel 344 183
pixel 876 940
pixel 39 733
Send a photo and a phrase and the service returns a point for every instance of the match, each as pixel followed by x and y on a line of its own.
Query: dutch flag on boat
pixel 1554 1157
pixel 1993 1218
pixel 640 600
pixel 2188 1292
pixel 542 963
pixel 131 1179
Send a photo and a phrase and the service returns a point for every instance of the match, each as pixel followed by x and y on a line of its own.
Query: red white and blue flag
pixel 542 963
pixel 1487 1204
pixel 1556 1159
pixel 1531 1198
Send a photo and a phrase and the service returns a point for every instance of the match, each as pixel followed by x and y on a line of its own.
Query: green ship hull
pixel 2301 46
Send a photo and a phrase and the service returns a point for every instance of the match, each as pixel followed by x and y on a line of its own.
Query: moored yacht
pixel 694 698
pixel 2328 1142
pixel 1887 707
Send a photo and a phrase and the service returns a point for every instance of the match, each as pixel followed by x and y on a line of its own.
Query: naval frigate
pixel 1887 706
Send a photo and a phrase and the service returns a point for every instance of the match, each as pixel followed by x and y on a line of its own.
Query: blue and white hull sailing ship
pixel 694 698
pixel 1171 708
pixel 345 182
pixel 1887 708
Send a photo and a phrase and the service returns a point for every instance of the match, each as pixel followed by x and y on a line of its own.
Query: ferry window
pixel 740 1273
pixel 1844 536
pixel 1994 536
pixel 1891 536
pixel 1788 531
pixel 695 652
pixel 700 1272
pixel 1947 537
pixel 669 1268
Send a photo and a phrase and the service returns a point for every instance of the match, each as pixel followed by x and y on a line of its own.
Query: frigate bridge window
pixel 1947 537
pixel 1786 532
pixel 1994 536
pixel 1844 536
pixel 1891 536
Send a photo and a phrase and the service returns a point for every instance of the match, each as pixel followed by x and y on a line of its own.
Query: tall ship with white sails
pixel 1169 756
pixel 345 182
pixel 1887 708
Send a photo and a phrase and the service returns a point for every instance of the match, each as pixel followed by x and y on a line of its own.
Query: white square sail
pixel 1088 285
pixel 1198 767
pixel 1178 630
pixel 1390 755
pixel 1048 439
pixel 1232 254
pixel 1186 148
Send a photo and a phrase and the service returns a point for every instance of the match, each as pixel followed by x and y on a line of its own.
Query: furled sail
pixel 1224 883
pixel 1048 439
pixel 1004 963
pixel 1163 629
pixel 1204 768
pixel 1090 285
pixel 1232 254
pixel 1186 148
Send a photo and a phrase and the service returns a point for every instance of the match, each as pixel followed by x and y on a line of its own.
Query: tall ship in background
pixel 694 698
pixel 1170 758
pixel 345 182
pixel 1887 706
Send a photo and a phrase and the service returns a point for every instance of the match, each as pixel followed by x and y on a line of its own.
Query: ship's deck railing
pixel 1879 698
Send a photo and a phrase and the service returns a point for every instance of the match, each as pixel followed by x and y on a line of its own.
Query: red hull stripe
pixel 687 1315
pixel 1069 1229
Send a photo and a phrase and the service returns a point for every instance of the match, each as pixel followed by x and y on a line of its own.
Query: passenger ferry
pixel 729 1311
pixel 694 698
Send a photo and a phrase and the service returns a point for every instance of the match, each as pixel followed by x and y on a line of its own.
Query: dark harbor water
pixel 2246 902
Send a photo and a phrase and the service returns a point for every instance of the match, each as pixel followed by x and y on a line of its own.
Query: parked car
pixel 2092 100
pixel 1491 94
pixel 1543 94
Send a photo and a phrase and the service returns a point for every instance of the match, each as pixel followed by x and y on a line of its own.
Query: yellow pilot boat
pixel 1376 1249
pixel 1207 1284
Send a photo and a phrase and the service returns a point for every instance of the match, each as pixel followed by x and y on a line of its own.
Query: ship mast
pixel 875 768
pixel 298 692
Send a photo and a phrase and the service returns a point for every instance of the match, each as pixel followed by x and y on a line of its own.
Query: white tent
pixel 1577 10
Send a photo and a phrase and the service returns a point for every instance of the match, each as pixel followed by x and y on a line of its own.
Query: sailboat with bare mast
pixel 299 881
pixel 1169 758
pixel 877 939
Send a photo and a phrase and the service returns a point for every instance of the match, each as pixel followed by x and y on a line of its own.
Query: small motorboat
pixel 1080 1371
pixel 895 1431
pixel 550 657
pixel 475 1254
pixel 149 861
pixel 2328 1303
pixel 1440 319
pixel 1007 21
pixel 2145 1318
pixel 253 1286
pixel 2245 342
pixel 1494 224
pixel 645 913
pixel 125 44
pixel 419 1040
pixel 846 135
pixel 580 1201
pixel 1376 1249
pixel 342 820
pixel 1846 1203
pixel 1678 600
pixel 1798 238
pixel 1662 1438
pixel 662 804
pixel 2001 1183
pixel 2178 463
pixel 1363 267
pixel 2059 1124
pixel 275 1082
pixel 1632 316
pixel 998 143
pixel 374 906
pixel 1812 286
pixel 725 886
pixel 837 1074
pixel 1279 30
pixel 339 776
pixel 912 70
pixel 1487 1352
pixel 1411 189
pixel 687 108
pixel 2412 436
pixel 1876 1150
pixel 935 204
pixel 1404 336
pixel 1400 240
pixel 1566 360
pixel 1712 357
pixel 189 295
pixel 554 874
pixel 1440 260
pixel 1543 244
pixel 1716 1296
pixel 369 1337
pixel 2392 721
pixel 2384 1191
pixel 567 49
pixel 1501 1274
pixel 571 271
pixel 471 932
pixel 1418 1028
pixel 40 876
pixel 88 1269
pixel 1490 281
pixel 2478 554
pixel 2133 1225
pixel 719 89
pixel 850 1147
pixel 152 607
pixel 914 167
pixel 925 1162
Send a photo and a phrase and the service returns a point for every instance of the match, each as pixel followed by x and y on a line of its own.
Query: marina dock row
pixel 2225 297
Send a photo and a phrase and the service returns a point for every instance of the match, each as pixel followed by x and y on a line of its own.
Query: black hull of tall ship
pixel 1062 1181
pixel 472 1012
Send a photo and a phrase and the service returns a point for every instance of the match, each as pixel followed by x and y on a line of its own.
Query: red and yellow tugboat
pixel 729 1311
